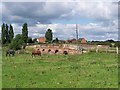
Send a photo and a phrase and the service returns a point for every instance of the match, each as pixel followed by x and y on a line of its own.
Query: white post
pixel 117 50
pixel 107 49
pixel 97 49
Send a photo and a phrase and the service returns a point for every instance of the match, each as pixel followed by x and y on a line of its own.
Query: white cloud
pixel 90 31
pixel 102 17
pixel 94 10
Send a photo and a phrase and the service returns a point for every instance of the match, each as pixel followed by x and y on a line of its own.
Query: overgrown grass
pixel 90 70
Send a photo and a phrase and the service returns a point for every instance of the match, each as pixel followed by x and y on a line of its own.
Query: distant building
pixel 41 39
pixel 82 40
pixel 62 41
pixel 71 41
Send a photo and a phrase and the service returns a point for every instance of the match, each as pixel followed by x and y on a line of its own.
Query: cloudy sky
pixel 95 20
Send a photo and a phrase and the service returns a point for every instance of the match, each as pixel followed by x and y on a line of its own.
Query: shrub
pixel 17 42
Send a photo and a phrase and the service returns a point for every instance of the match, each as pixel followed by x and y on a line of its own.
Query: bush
pixel 17 42
pixel 117 44
pixel 29 40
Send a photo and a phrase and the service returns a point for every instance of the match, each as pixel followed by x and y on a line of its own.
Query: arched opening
pixel 43 50
pixel 49 50
pixel 56 51
pixel 65 52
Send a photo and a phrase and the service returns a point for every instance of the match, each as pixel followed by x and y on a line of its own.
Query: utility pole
pixel 77 37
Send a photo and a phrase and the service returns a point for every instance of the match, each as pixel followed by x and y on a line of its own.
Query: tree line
pixel 7 36
pixel 21 40
pixel 7 33
pixel 109 42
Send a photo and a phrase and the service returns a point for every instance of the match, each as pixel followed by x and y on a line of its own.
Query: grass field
pixel 90 70
pixel 0 68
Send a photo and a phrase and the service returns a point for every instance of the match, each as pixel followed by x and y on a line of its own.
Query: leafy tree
pixel 25 32
pixel 56 40
pixel 7 34
pixel 49 36
pixel 17 42
pixel 3 34
pixel 29 40
pixel 117 44
pixel 111 41
pixel 11 33
pixel 34 40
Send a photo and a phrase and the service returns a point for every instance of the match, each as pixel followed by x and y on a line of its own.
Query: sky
pixel 96 20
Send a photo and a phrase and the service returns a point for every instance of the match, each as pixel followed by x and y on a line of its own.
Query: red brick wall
pixel 83 41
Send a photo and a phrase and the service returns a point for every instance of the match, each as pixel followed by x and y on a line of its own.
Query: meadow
pixel 89 70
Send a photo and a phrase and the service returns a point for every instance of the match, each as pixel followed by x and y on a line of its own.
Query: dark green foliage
pixel 7 34
pixel 34 40
pixel 29 40
pixel 17 43
pixel 11 33
pixel 56 40
pixel 49 36
pixel 117 44
pixel 107 42
pixel 24 45
pixel 25 32
pixel 3 35
pixel 111 41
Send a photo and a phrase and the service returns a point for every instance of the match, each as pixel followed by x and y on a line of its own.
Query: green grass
pixel 0 68
pixel 90 70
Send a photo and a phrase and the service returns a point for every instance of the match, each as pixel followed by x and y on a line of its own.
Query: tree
pixel 25 32
pixel 34 40
pixel 11 33
pixel 29 40
pixel 49 35
pixel 56 40
pixel 3 34
pixel 7 34
pixel 117 44
pixel 111 41
pixel 17 42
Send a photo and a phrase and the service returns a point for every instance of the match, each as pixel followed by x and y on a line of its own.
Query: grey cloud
pixel 47 12
pixel 33 12
pixel 21 12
